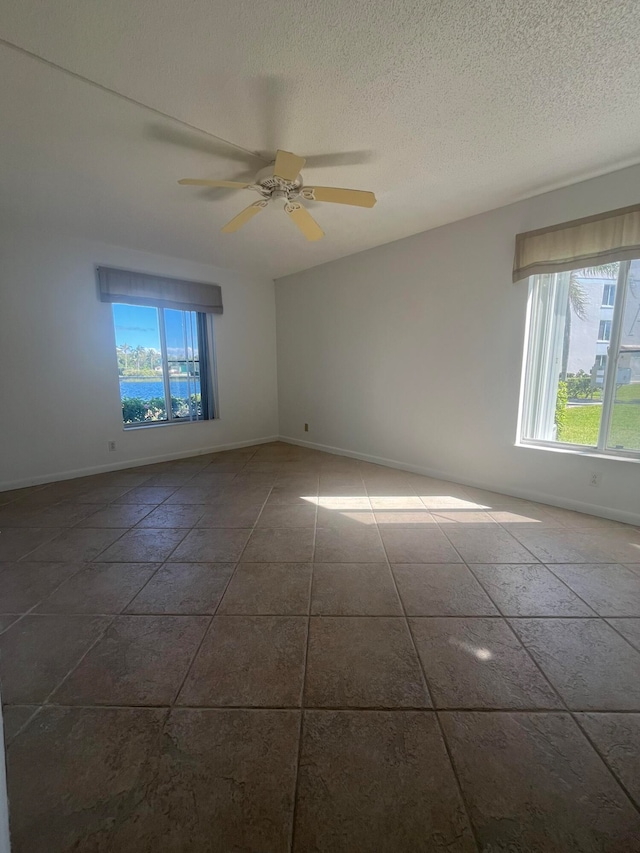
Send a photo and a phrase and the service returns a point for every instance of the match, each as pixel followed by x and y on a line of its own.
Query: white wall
pixel 412 352
pixel 58 373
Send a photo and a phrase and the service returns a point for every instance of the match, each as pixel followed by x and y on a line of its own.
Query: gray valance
pixel 138 288
pixel 588 242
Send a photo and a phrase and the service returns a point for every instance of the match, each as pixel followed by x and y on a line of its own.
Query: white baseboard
pixel 131 463
pixel 525 494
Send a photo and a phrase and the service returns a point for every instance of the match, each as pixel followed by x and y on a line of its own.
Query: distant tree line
pixel 138 361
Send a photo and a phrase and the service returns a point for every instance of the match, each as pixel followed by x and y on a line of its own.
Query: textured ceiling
pixel 450 107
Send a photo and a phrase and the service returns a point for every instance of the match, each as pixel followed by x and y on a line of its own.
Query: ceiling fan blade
pixel 196 182
pixel 339 158
pixel 244 216
pixel 304 220
pixel 287 165
pixel 337 195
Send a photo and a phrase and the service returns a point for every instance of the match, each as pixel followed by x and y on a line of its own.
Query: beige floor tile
pixel 587 546
pixel 61 807
pixel 250 661
pixel 611 590
pixel 521 589
pixel 348 545
pixel 488 546
pixel 77 545
pixel 141 660
pixel 345 517
pixel 64 514
pixel 14 718
pixel 629 628
pixel 288 516
pixel 144 545
pixel 117 515
pixel 226 782
pixel 23 585
pixel 478 663
pixel 280 545
pixel 420 519
pixel 418 546
pixel 268 589
pixel 377 781
pixel 465 519
pixel 37 652
pixel 526 518
pixel 533 782
pixel 216 545
pixel 99 588
pixel 174 515
pixel 184 588
pixel 17 543
pixel 230 515
pixel 354 589
pixel 362 662
pixel 588 663
pixel 445 589
pixel 617 738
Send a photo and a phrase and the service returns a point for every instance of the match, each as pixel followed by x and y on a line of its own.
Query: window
pixel 581 384
pixel 604 331
pixel 608 296
pixel 160 355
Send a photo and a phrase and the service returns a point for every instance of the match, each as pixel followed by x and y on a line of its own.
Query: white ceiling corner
pixel 453 108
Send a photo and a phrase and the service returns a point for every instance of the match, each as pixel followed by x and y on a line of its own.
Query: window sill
pixel 156 424
pixel 588 452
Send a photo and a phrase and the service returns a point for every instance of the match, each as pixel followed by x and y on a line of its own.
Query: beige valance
pixel 588 242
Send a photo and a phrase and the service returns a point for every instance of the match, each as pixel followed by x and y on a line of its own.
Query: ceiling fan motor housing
pixel 272 186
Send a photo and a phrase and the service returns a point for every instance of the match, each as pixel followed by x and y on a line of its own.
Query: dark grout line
pixel 635 803
pixel 303 694
pixel 360 709
pixel 603 618
pixel 431 697
pixel 210 623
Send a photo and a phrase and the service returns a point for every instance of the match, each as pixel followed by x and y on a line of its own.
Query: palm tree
pixel 578 302
pixel 125 349
pixel 138 354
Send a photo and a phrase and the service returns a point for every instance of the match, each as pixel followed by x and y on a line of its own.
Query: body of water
pixel 147 389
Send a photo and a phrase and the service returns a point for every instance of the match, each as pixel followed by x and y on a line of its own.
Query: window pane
pixel 183 363
pixel 139 363
pixel 609 295
pixel 624 433
pixel 604 330
pixel 569 327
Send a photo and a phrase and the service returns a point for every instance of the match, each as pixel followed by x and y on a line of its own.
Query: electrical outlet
pixel 306 427
pixel 112 446
pixel 595 478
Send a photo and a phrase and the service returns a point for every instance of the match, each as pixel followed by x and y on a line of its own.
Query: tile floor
pixel 275 649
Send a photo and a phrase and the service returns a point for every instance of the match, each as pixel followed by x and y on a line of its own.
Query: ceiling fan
pixel 282 181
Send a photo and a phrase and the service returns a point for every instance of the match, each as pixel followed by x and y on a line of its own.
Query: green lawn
pixel 583 422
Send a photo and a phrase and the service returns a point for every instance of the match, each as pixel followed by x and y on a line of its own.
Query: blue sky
pixel 137 326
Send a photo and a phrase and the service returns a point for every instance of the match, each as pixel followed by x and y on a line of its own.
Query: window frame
pixel 601 448
pixel 207 352
pixel 600 340
pixel 608 290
